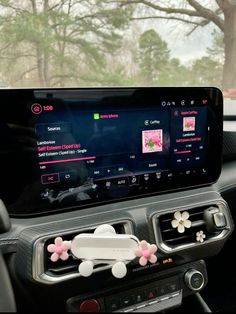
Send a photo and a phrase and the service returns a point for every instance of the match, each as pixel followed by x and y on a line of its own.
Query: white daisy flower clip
pixel 181 221
pixel 200 236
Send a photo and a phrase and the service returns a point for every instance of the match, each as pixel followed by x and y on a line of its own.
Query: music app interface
pixel 87 154
pixel 188 135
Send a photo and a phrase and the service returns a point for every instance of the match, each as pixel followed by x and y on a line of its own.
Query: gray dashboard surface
pixel 26 231
pixel 114 212
pixel 227 180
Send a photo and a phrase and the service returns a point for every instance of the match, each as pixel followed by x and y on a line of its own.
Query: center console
pixel 179 271
pixel 158 292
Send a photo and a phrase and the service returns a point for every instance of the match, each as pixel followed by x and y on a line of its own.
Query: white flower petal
pixel 174 223
pixel 185 215
pixel 181 228
pixel 187 223
pixel 178 216
pixel 203 236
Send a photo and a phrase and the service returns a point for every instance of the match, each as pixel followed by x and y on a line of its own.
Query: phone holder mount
pixel 104 246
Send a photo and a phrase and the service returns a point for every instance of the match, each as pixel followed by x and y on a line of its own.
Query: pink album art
pixel 152 141
pixel 188 124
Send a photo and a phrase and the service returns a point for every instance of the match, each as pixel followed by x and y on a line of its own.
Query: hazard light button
pixel 90 306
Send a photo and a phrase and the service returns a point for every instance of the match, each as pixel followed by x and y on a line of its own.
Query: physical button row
pixel 155 301
pixel 133 297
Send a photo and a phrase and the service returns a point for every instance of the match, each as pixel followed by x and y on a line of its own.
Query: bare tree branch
pixel 207 14
pixel 57 5
pixel 223 4
pixel 165 18
pixel 23 74
pixel 199 10
pixel 202 24
pixel 18 57
pixel 218 10
pixel 34 7
pixel 168 10
pixel 5 47
pixel 192 30
pixel 15 8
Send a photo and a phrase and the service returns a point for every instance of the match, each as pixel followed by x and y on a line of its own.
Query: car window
pixel 118 43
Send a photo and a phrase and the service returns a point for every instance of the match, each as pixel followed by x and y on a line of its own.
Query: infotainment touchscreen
pixel 62 148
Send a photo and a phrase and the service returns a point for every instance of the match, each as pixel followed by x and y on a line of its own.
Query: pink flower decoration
pixel 59 249
pixel 146 253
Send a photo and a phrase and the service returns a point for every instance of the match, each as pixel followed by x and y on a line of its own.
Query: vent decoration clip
pixel 59 249
pixel 200 236
pixel 104 246
pixel 181 221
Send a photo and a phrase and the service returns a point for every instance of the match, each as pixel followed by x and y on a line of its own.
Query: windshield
pixel 118 43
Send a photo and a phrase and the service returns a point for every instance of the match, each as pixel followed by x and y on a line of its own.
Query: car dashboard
pixel 112 173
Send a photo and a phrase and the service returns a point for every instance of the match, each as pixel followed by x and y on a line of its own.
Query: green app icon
pixel 96 116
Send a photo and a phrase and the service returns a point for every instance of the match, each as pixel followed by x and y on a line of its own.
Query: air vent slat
pixel 180 240
pixel 63 270
pixel 167 230
pixel 198 223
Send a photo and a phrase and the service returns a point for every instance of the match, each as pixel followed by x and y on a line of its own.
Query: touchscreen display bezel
pixel 16 104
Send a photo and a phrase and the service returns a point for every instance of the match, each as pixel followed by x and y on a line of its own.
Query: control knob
pixel 194 279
